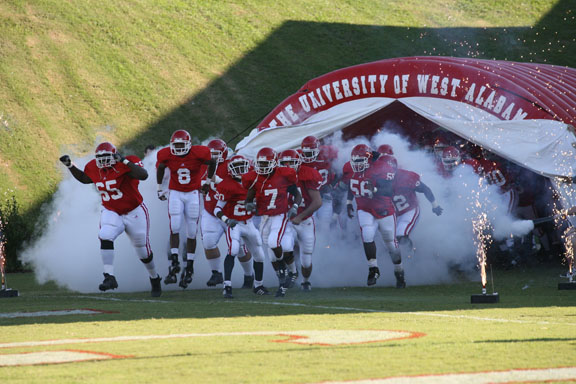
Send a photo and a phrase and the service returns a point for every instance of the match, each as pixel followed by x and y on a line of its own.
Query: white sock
pixel 174 251
pixel 291 267
pixel 108 260
pixel 215 264
pixel 373 263
pixel 190 256
pixel 247 267
pixel 398 267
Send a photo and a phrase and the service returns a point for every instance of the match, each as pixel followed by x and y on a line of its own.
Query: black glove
pixel 231 223
pixel 350 209
pixel 118 157
pixel 437 210
pixel 376 155
pixel 66 161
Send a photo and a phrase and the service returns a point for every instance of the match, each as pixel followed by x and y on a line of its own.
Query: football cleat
pixel 173 270
pixel 306 286
pixel 227 292
pixel 261 290
pixel 373 275
pixel 291 279
pixel 108 283
pixel 400 282
pixel 281 292
pixel 186 277
pixel 215 279
pixel 248 282
pixel 156 284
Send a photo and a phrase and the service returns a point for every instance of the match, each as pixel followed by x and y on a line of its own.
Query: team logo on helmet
pixel 218 149
pixel 360 157
pixel 310 148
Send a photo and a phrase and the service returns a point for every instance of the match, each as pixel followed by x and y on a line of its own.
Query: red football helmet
pixel 290 158
pixel 180 142
pixel 360 157
pixel 439 145
pixel 105 155
pixel 265 161
pixel 386 149
pixel 219 150
pixel 328 153
pixel 238 165
pixel 310 148
pixel 390 160
pixel 450 158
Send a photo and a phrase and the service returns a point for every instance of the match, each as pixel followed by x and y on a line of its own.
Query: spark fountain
pixel 4 291
pixel 482 239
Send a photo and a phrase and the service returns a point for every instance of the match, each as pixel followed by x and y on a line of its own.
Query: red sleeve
pixel 248 179
pixel 202 152
pixel 162 156
pixel 136 160
pixel 289 174
pixel 312 179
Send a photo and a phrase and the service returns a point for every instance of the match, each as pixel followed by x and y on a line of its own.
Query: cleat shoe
pixel 215 279
pixel 400 282
pixel 108 283
pixel 227 292
pixel 173 270
pixel 281 292
pixel 186 277
pixel 156 284
pixel 306 286
pixel 261 290
pixel 248 282
pixel 291 279
pixel 373 275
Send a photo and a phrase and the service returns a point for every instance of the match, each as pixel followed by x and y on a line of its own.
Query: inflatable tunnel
pixel 523 112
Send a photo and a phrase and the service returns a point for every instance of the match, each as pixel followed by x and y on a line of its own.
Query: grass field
pixel 338 334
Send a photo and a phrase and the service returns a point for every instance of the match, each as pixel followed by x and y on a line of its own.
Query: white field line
pixel 352 309
pixel 490 377
pixel 103 298
pixel 317 337
pixel 51 357
pixel 63 312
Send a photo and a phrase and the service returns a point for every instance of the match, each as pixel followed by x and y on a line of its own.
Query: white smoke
pixel 68 252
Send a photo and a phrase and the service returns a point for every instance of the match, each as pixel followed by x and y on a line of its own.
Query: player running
pixel 116 179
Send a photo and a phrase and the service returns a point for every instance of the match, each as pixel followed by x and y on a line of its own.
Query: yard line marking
pixel 513 375
pixel 117 299
pixel 400 313
pixel 53 357
pixel 309 337
pixel 63 312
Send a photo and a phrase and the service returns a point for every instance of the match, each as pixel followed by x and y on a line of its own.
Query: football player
pixel 211 228
pixel 406 184
pixel 231 210
pixel 116 179
pixel 331 198
pixel 309 184
pixel 270 186
pixel 184 162
pixel 370 182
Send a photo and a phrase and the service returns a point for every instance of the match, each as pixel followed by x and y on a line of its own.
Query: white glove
pixel 292 211
pixel 162 193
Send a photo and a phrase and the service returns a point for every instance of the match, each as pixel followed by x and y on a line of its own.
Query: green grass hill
pixel 74 72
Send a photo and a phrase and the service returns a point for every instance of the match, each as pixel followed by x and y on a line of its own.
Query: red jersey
pixel 405 184
pixel 378 206
pixel 495 174
pixel 211 198
pixel 325 169
pixel 185 171
pixel 234 194
pixel 271 190
pixel 308 178
pixel 118 190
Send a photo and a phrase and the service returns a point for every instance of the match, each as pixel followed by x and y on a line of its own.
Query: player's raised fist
pixel 65 159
